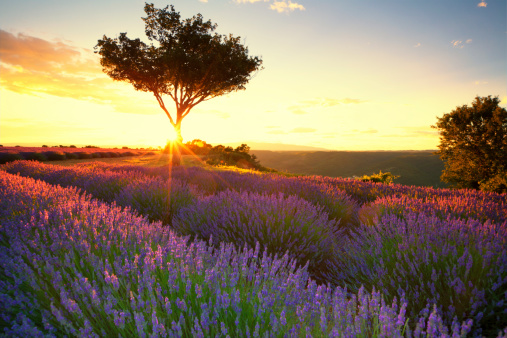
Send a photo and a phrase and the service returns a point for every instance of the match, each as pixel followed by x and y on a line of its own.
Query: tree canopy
pixel 473 145
pixel 186 60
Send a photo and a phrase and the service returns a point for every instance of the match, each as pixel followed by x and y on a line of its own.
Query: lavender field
pixel 96 250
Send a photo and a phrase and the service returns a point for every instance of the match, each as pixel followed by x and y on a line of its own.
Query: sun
pixel 171 135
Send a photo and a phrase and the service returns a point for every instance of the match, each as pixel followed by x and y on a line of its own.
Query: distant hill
pixel 420 168
pixel 275 146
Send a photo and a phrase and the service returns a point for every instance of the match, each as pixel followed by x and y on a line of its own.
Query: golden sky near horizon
pixel 360 76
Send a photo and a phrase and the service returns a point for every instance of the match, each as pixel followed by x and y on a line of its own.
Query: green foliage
pixel 496 184
pixel 473 143
pixel 71 156
pixel 9 157
pixel 197 147
pixel 34 156
pixel 187 61
pixel 83 155
pixel 55 155
pixel 238 157
pixel 381 177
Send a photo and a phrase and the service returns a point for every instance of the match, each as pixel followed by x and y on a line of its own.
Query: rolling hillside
pixel 419 168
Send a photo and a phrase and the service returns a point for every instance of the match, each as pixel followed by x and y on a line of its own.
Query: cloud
pixel 296 110
pixel 417 45
pixel 205 1
pixel 281 6
pixel 34 66
pixel 248 1
pixel 303 130
pixel 459 43
pixel 368 131
pixel 481 82
pixel 482 4
pixel 419 131
pixel 286 6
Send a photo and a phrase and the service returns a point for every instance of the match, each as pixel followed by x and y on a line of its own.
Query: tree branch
pixel 162 105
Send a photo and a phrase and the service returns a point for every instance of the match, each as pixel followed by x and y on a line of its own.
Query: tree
pixel 473 143
pixel 188 62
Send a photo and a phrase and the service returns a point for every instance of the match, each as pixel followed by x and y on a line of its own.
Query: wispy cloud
pixel 249 1
pixel 460 44
pixel 417 45
pixel 286 6
pixel 482 4
pixel 281 6
pixel 297 110
pixel 417 131
pixel 34 66
pixel 205 1
pixel 303 130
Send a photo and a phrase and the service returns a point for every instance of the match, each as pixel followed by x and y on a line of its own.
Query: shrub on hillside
pixel 112 154
pixel 98 154
pixel 238 157
pixel 381 177
pixel 83 155
pixel 71 155
pixel 55 155
pixel 33 156
pixel 9 157
pixel 497 183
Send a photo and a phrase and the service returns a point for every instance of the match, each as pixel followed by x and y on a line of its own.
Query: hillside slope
pixel 419 168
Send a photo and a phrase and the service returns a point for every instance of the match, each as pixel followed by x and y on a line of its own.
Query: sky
pixel 339 75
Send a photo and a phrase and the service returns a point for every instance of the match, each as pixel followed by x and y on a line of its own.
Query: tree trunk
pixel 176 146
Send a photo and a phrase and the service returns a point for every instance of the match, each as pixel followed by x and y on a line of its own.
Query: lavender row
pixel 282 223
pixel 335 202
pixel 462 203
pixel 154 197
pixel 444 207
pixel 459 266
pixel 79 267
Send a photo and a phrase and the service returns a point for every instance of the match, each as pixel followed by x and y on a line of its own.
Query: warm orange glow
pixel 171 135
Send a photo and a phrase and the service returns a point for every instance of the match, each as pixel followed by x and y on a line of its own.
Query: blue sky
pixel 344 75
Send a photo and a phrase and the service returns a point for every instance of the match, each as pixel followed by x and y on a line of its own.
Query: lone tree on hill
pixel 473 145
pixel 188 62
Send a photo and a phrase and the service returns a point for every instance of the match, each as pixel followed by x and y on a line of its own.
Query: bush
pixel 9 157
pixel 83 155
pixel 239 157
pixel 34 156
pixel 496 184
pixel 381 177
pixel 54 155
pixel 71 156
pixel 128 153
pixel 44 146
pixel 98 154
pixel 112 154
